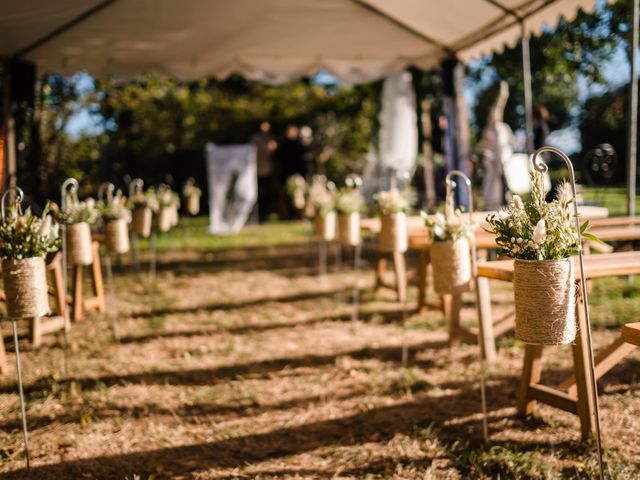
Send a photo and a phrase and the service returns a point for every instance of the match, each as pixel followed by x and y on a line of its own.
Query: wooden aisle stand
pixel 110 190
pixel 583 348
pixel 136 185
pixel 450 185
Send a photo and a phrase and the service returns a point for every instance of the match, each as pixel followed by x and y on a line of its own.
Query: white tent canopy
pixel 269 40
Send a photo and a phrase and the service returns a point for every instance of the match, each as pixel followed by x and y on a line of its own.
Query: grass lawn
pixel 251 368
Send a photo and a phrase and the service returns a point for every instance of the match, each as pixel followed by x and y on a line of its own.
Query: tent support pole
pixel 8 177
pixel 632 139
pixel 528 95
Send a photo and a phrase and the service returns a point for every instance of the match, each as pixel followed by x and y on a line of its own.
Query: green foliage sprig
pixel 25 235
pixel 537 230
pixel 114 208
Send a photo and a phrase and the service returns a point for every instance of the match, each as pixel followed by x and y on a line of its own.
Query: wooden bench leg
pixel 98 283
pixel 381 267
pixel 486 333
pixel 78 301
pixel 36 331
pixel 3 356
pixel 451 305
pixel 531 374
pixel 586 401
pixel 423 265
pixel 400 267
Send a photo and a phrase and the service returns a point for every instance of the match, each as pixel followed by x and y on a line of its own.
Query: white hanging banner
pixel 398 123
pixel 233 186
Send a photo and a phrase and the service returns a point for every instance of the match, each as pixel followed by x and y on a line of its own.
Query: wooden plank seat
pixel 573 394
pixel 40 326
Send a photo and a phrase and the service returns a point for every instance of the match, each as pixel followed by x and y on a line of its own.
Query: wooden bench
pixel 97 300
pixel 573 394
pixel 40 326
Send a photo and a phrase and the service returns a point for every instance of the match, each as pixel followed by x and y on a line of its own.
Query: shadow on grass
pixel 379 423
pixel 260 369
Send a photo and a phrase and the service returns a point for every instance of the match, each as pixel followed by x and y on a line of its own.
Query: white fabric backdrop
pixel 233 186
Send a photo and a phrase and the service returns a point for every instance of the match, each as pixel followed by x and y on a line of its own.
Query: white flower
pixel 440 217
pixel 502 214
pixel 540 232
pixel 517 202
pixel 438 231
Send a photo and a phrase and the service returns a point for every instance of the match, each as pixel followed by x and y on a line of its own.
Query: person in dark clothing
pixel 265 146
pixel 290 158
pixel 540 127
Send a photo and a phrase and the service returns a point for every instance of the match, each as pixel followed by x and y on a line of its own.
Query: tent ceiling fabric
pixel 273 41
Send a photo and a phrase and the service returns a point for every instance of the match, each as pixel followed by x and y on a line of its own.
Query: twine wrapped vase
pixel 25 287
pixel 451 263
pixel 393 233
pixel 174 215
pixel 325 226
pixel 349 229
pixel 79 244
pixel 116 236
pixel 141 221
pixel 545 299
pixel 164 219
pixel 193 204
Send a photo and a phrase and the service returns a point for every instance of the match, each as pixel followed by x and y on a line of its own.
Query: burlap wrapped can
pixel 393 233
pixel 349 229
pixel 193 204
pixel 164 219
pixel 79 244
pixel 451 263
pixel 116 236
pixel 25 287
pixel 325 226
pixel 141 221
pixel 174 215
pixel 545 298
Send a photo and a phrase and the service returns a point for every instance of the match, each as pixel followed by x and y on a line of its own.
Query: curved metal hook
pixel 18 200
pixel 353 181
pixel 109 187
pixel 451 185
pixel 70 185
pixel 137 184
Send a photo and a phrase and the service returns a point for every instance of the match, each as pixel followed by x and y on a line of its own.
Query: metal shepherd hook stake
pixel 110 188
pixel 355 182
pixel 450 184
pixel 540 166
pixel 70 186
pixel 25 433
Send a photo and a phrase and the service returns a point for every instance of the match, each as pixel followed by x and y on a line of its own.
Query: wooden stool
pixel 97 301
pixel 40 326
pixel 400 270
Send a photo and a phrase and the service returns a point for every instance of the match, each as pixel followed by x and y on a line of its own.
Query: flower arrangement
pixel 295 182
pixel 537 230
pixel 190 189
pixel 114 208
pixel 391 201
pixel 146 199
pixel 76 211
pixel 348 201
pixel 322 195
pixel 451 226
pixel 167 198
pixel 25 235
